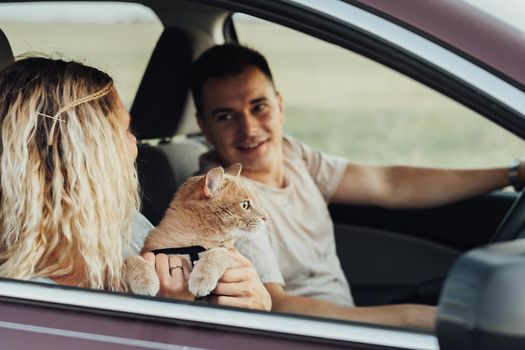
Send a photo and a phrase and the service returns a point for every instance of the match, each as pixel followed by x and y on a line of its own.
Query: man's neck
pixel 272 177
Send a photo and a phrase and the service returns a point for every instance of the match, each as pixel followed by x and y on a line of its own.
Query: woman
pixel 69 189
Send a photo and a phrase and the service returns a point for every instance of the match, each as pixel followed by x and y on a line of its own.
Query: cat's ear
pixel 212 181
pixel 234 169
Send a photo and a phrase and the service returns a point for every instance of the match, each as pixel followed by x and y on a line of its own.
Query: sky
pixel 512 11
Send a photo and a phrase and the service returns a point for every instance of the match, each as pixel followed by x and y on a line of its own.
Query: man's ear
pixel 280 104
pixel 234 169
pixel 212 181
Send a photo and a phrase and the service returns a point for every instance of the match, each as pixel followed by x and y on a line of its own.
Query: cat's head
pixel 223 200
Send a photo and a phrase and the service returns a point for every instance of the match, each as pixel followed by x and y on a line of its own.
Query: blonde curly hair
pixel 68 188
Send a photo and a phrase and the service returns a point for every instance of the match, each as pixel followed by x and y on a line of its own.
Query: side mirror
pixel 482 305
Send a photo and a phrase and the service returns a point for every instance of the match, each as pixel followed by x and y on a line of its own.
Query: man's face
pixel 242 116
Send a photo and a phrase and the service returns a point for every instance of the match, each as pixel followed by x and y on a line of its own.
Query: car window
pixel 117 38
pixel 348 105
pixel 335 100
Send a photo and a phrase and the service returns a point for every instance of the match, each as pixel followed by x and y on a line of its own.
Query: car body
pixel 389 256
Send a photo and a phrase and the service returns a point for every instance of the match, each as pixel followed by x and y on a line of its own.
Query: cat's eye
pixel 245 205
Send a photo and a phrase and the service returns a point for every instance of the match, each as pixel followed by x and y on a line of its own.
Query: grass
pixel 334 100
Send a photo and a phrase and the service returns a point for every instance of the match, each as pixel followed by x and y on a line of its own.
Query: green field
pixel 337 101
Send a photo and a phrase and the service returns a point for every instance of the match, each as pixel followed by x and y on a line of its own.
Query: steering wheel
pixel 513 222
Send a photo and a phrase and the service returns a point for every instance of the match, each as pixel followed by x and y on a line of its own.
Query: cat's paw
pixel 201 284
pixel 140 276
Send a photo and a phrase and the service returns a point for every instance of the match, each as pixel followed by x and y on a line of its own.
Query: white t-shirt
pixel 299 252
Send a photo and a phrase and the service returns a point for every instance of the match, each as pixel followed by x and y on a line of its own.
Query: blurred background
pixel 335 100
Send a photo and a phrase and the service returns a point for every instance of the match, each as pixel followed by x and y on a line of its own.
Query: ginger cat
pixel 211 211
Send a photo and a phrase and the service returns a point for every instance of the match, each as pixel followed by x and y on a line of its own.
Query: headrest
pixel 6 54
pixel 161 98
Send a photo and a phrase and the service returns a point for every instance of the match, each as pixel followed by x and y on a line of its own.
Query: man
pixel 241 113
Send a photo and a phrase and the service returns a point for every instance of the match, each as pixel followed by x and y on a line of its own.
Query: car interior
pixel 413 249
pixel 389 256
pixel 158 111
pixel 6 53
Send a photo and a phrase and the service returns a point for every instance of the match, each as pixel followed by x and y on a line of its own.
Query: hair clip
pixel 53 126
pixel 97 94
pixel 50 117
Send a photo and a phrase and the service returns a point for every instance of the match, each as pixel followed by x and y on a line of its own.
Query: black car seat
pixel 156 113
pixel 6 53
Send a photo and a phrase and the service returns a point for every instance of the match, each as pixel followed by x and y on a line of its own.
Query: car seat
pixel 156 113
pixel 6 53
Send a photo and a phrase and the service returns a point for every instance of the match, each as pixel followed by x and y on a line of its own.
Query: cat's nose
pixel 265 217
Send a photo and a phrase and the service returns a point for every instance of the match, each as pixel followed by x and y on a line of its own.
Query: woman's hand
pixel 241 286
pixel 173 272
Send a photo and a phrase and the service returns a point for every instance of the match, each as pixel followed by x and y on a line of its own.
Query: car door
pixel 45 316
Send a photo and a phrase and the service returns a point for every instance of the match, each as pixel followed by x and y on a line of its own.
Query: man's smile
pixel 250 145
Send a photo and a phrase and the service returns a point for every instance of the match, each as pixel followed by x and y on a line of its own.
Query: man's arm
pixel 407 315
pixel 410 187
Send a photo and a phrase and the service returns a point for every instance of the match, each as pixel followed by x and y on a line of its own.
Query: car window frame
pixel 234 319
pixel 330 33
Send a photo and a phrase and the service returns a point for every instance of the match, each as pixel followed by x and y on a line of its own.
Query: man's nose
pixel 249 124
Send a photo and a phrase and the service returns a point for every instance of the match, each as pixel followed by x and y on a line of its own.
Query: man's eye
pixel 261 107
pixel 245 205
pixel 224 117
